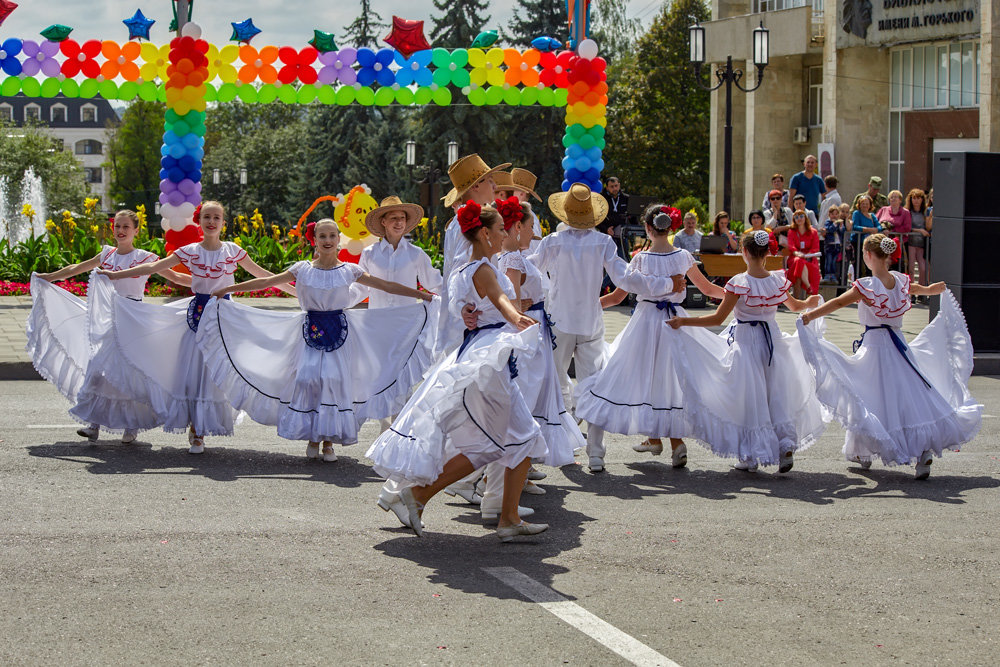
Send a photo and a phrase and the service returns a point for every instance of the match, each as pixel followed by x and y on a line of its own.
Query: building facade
pixel 78 125
pixel 871 87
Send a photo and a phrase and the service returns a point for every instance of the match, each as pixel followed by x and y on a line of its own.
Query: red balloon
pixel 599 63
pixel 407 36
pixel 174 239
pixel 345 256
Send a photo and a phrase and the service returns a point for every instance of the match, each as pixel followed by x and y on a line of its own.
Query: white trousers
pixel 588 353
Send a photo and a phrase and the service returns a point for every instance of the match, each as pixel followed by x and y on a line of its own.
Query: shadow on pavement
pixel 221 464
pixel 457 561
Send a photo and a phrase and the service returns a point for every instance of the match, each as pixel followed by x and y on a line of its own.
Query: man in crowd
pixel 689 238
pixel 832 199
pixel 808 183
pixel 878 199
pixel 777 183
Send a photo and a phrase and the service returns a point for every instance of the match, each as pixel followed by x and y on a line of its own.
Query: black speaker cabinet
pixel 981 305
pixel 964 185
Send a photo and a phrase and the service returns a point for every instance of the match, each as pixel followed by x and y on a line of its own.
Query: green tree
pixel 535 18
pixel 134 155
pixel 658 132
pixel 364 31
pixel 613 30
pixel 460 23
pixel 31 146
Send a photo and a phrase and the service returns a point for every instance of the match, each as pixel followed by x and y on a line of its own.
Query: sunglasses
pixel 775 198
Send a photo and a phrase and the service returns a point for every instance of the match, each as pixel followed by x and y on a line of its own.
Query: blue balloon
pixel 164 150
pixel 197 154
pixel 595 186
pixel 568 162
pixel 573 175
pixel 574 151
pixel 195 175
pixel 597 164
pixel 167 162
pixel 175 150
pixel 545 43
pixel 191 141
pixel 592 175
pixel 593 153
pixel 566 185
pixel 163 174
pixel 583 163
pixel 176 175
pixel 170 138
pixel 187 163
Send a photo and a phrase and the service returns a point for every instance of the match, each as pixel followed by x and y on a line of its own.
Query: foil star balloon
pixel 244 31
pixel 56 32
pixel 138 26
pixel 407 36
pixel 323 41
pixel 6 7
pixel 484 39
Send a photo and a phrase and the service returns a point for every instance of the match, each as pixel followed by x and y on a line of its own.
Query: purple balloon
pixel 163 199
pixel 167 186
pixel 186 186
pixel 193 198
pixel 175 198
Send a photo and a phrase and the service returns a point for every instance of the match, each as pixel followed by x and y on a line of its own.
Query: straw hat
pixel 524 180
pixel 464 173
pixel 503 181
pixel 579 208
pixel 373 221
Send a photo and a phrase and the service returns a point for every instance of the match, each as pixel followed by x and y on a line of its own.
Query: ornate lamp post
pixel 431 175
pixel 728 76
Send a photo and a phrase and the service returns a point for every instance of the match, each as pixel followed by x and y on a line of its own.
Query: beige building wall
pixel 989 77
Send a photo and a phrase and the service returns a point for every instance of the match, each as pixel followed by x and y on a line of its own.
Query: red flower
pixel 311 233
pixel 297 64
pixel 468 216
pixel 510 210
pixel 81 58
pixel 676 218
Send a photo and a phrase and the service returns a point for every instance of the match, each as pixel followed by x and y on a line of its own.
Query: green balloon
pixel 460 78
pixel 69 88
pixel 267 93
pixel 441 58
pixel 586 142
pixel 108 89
pixel 128 90
pixel 442 75
pixel 561 96
pixel 364 96
pixel 477 96
pixel 147 91
pixel 442 97
pixel 50 87
pixel 170 116
pixel 180 128
pixel 211 94
pixel 12 85
pixel 288 94
pixel 577 130
pixel 545 97
pixel 597 132
pixel 423 96
pixel 161 93
pixel 494 95
pixel 89 88
pixel 600 143
pixel 326 94
pixel 31 88
pixel 247 93
pixel 460 57
pixel 346 95
pixel 512 96
pixel 384 96
pixel 568 140
pixel 529 96
pixel 227 92
pixel 405 96
pixel 307 93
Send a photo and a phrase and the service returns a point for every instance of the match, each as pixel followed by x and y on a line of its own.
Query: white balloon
pixel 355 246
pixel 587 49
pixel 192 30
pixel 185 210
pixel 176 224
pixel 164 224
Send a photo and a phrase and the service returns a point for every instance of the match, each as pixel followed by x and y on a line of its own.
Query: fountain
pixel 4 221
pixel 15 226
pixel 32 193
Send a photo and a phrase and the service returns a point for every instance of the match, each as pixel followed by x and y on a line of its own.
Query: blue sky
pixel 283 22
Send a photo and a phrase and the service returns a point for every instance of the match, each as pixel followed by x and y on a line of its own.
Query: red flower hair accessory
pixel 676 217
pixel 197 215
pixel 510 210
pixel 311 233
pixel 468 216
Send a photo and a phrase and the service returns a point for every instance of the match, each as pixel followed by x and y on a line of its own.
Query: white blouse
pixel 888 306
pixel 325 289
pixel 533 286
pixel 112 260
pixel 211 269
pixel 759 297
pixel 406 264
pixel 659 264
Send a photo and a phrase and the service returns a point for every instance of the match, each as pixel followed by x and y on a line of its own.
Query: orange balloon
pixel 177 81
pixel 131 50
pixel 604 101
pixel 185 66
pixel 591 99
pixel 248 74
pixel 196 78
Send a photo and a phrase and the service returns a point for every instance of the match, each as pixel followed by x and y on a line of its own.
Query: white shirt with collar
pixel 574 259
pixel 405 264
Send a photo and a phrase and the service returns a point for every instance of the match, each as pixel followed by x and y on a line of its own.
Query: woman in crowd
pixel 803 258
pixel 896 220
pixel 921 221
pixel 721 228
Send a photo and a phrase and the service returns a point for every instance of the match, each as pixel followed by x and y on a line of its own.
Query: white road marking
pixel 597 629
pixel 54 426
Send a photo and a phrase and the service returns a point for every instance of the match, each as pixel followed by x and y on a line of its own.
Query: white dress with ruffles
pixel 160 358
pixel 65 341
pixel 356 364
pixel 468 403
pixel 637 391
pixel 756 394
pixel 537 377
pixel 897 403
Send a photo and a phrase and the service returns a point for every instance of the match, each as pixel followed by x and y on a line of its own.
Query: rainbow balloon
pixel 586 117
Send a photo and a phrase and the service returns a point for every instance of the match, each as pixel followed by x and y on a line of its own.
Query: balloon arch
pixel 189 72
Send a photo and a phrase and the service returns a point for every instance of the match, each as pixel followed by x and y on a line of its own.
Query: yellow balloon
pixel 181 107
pixel 200 105
pixel 352 222
pixel 149 51
pixel 572 118
pixel 228 74
pixel 603 121
pixel 173 95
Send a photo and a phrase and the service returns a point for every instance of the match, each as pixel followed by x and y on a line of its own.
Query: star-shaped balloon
pixel 323 41
pixel 56 32
pixel 485 39
pixel 6 7
pixel 138 26
pixel 407 36
pixel 244 31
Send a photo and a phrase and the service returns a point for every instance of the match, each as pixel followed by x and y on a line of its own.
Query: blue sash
pixel 767 335
pixel 324 330
pixel 668 306
pixel 469 335
pixel 540 306
pixel 196 308
pixel 900 347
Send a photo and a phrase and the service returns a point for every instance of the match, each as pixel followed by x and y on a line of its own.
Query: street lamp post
pixel 431 177
pixel 728 76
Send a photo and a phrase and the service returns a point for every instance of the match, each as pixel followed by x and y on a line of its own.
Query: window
pixel 58 114
pixel 94 174
pixel 32 112
pixel 815 96
pixel 6 113
pixel 89 147
pixel 88 114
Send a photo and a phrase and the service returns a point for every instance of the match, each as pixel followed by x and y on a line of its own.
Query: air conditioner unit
pixel 800 135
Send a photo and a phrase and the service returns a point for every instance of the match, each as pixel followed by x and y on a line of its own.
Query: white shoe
pixel 329 456
pixel 491 517
pixel 312 451
pixel 535 475
pixel 391 501
pixel 647 446
pixel 865 465
pixel 679 457
pixel 90 432
pixel 787 461
pixel 596 464
pixel 413 509
pixel 468 495
pixel 129 436
pixel 746 466
pixel 533 489
pixel 197 445
pixel 508 533
pixel 923 469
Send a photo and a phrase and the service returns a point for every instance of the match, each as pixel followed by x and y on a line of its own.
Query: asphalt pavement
pixel 252 554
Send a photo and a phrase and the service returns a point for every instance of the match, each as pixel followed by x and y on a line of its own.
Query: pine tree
pixel 365 30
pixel 536 18
pixel 461 22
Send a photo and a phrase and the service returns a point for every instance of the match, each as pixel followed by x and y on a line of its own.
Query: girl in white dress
pixel 637 390
pixel 469 411
pixel 316 375
pixel 157 344
pixel 755 393
pixel 66 336
pixel 899 403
